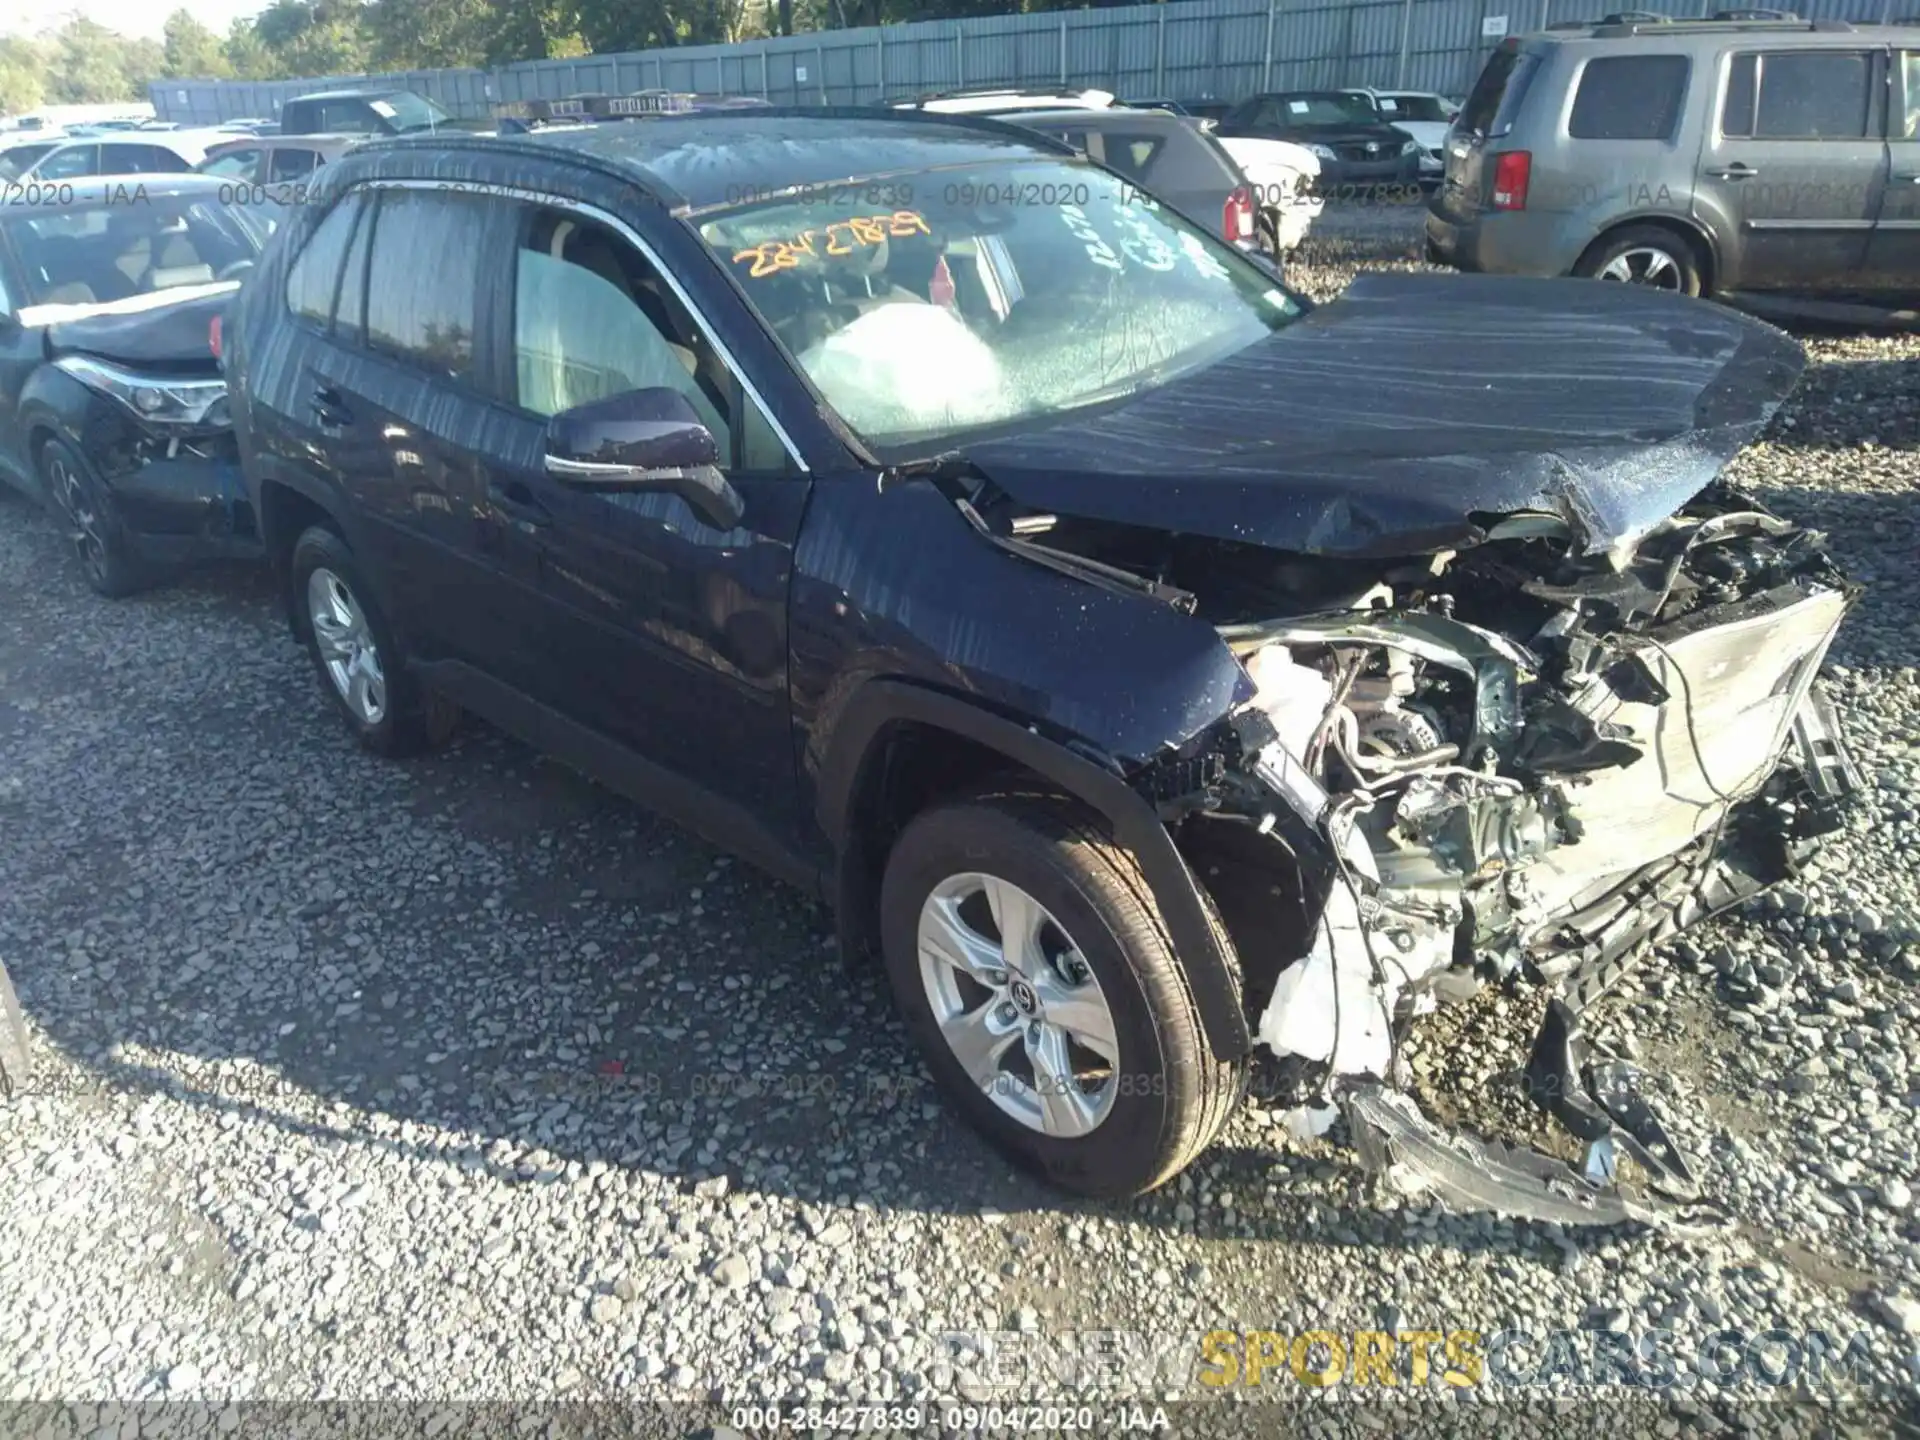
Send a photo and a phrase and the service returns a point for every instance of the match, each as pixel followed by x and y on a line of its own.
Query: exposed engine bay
pixel 1515 763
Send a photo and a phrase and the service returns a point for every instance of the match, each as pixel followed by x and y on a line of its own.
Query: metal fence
pixel 1192 49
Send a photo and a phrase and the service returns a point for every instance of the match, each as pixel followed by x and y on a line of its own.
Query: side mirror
pixel 643 440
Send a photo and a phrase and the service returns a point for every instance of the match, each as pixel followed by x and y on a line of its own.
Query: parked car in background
pixel 113 409
pixel 1267 207
pixel 275 169
pixel 1356 148
pixel 362 112
pixel 132 153
pixel 1424 116
pixel 1704 156
pixel 1167 156
pixel 1001 100
pixel 1287 187
pixel 16 160
pixel 898 501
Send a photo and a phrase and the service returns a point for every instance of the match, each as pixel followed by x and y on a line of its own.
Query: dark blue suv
pixel 1140 665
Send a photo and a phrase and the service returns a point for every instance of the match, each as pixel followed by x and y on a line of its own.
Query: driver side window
pixel 592 318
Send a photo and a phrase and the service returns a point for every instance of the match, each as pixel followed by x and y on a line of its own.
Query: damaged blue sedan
pixel 113 409
pixel 1147 677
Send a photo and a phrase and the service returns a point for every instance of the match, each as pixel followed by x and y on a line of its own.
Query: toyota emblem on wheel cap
pixel 1024 998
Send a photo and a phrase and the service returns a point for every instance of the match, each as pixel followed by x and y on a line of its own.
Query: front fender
pixel 901 611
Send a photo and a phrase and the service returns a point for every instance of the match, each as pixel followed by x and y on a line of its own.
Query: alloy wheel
pixel 1018 1005
pixel 70 493
pixel 1644 265
pixel 346 646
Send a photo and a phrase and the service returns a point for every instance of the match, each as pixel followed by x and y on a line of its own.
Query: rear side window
pixel 314 277
pixel 1629 97
pixel 1497 95
pixel 1132 154
pixel 140 160
pixel 291 164
pixel 419 312
pixel 1805 95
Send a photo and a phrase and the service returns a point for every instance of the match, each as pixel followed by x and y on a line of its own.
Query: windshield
pixel 21 158
pixel 933 303
pixel 407 111
pixel 1422 109
pixel 73 256
pixel 1313 111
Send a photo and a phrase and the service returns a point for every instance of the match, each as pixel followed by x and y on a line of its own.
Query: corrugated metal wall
pixel 1192 49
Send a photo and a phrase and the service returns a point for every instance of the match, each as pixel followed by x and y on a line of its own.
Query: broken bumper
pixel 178 510
pixel 1598 1098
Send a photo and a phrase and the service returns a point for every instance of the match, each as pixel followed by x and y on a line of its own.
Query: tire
pixel 14 1054
pixel 383 702
pixel 1645 251
pixel 1162 1098
pixel 82 502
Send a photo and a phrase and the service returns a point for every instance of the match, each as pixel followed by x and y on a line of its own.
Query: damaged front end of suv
pixel 1551 732
pixel 1513 765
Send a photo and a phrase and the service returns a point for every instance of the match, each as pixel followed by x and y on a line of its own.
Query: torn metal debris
pixel 1525 763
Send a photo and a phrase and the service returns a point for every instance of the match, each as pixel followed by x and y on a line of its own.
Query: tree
pixel 316 37
pixel 20 66
pixel 192 50
pixel 246 54
pixel 88 64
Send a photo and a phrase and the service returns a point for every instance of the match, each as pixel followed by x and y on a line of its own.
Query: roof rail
pixel 1635 17
pixel 576 108
pixel 1615 26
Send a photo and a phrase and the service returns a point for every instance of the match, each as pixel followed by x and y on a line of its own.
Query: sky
pixel 129 17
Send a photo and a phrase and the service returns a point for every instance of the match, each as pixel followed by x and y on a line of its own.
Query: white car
pixel 1425 116
pixel 1285 178
pixel 133 153
pixel 983 102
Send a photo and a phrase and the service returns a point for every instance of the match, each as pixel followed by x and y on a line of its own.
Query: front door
pixel 1792 174
pixel 661 632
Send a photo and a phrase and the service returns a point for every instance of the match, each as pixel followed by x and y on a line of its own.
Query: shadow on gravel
pixel 480 959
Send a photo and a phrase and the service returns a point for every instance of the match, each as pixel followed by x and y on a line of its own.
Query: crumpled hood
pixel 1405 415
pixel 166 329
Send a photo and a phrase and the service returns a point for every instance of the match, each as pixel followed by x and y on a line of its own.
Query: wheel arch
pixel 1687 231
pixel 900 746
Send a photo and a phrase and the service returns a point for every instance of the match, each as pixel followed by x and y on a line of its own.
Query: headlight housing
pixel 163 401
pixel 1325 152
pixel 1412 147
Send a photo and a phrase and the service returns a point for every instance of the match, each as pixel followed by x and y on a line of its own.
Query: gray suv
pixel 1704 156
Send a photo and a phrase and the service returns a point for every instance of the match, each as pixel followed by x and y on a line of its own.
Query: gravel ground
pixel 462 1079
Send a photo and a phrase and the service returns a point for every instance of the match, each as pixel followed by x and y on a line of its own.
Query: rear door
pixel 127 158
pixel 1893 256
pixel 70 162
pixel 1794 171
pixel 410 411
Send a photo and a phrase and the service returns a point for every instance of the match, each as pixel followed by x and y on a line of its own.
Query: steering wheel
pixel 235 270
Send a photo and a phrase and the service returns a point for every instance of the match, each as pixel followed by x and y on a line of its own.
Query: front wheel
pixel 1032 967
pixel 82 502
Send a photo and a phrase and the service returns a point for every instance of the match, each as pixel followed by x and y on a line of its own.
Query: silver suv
pixel 1705 156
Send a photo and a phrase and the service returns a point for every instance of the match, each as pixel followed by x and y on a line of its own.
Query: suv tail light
pixel 1236 221
pixel 213 336
pixel 1511 172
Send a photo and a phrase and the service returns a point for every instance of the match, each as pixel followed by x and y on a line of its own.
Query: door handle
pixel 1734 172
pixel 515 500
pixel 1910 179
pixel 330 407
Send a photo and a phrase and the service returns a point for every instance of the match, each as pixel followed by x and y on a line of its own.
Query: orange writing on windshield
pixel 842 237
